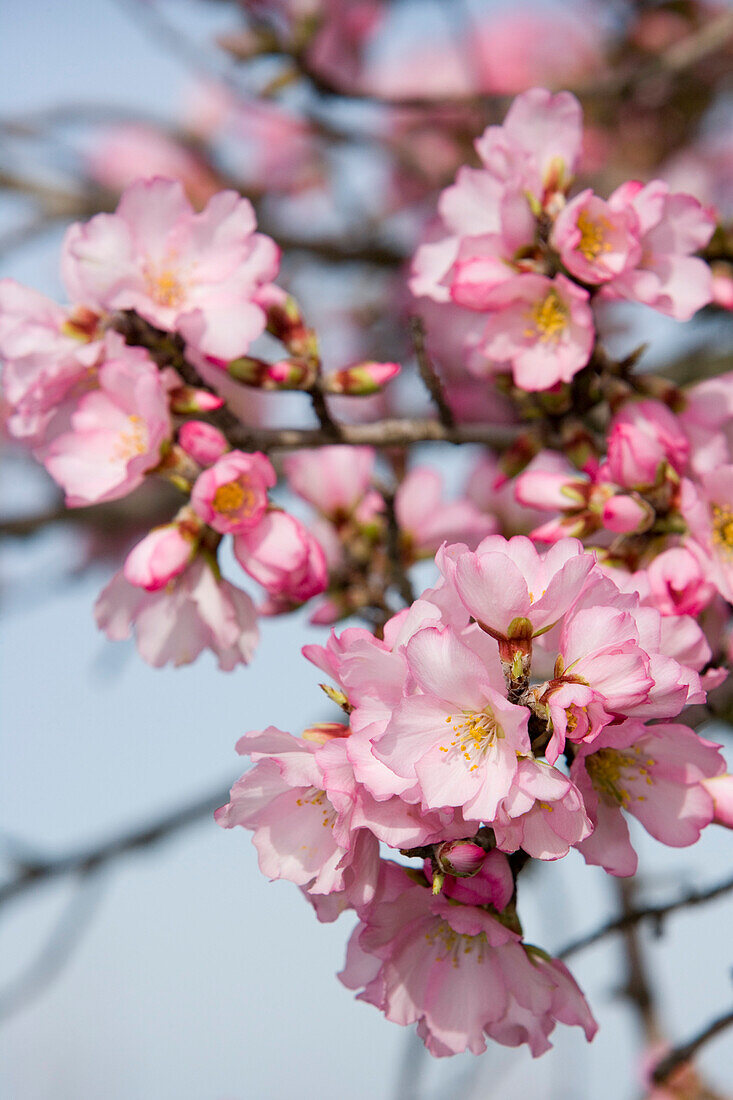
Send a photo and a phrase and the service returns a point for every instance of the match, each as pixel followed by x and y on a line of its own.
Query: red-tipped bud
pixel 290 374
pixel 161 555
pixel 285 321
pixel 461 858
pixel 204 443
pixel 625 514
pixel 361 380
pixel 322 732
pixel 185 400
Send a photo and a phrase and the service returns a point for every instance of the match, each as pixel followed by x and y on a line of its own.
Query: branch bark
pixel 655 913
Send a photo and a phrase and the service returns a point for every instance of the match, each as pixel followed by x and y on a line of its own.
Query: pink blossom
pixel 672 226
pixel 654 773
pixel 678 585
pixel 284 557
pixel 642 436
pixel 231 496
pixel 283 801
pixel 596 243
pixel 539 141
pixel 196 274
pixel 707 507
pixel 543 813
pixel 197 610
pixel 509 579
pixel 720 790
pixel 116 431
pixel 426 521
pixel 460 736
pixel 203 442
pixel 161 556
pixel 457 972
pixel 124 154
pixel 707 421
pixel 541 328
pixel 49 355
pixel 394 820
pixel 333 479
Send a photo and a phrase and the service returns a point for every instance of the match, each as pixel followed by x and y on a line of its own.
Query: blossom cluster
pixel 533 699
pixel 98 391
pixel 522 706
pixel 532 264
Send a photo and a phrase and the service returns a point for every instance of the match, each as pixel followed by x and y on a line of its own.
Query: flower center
pixel 605 769
pixel 234 498
pixel 592 236
pixel 723 529
pixel 549 318
pixel 474 736
pixel 164 285
pixel 311 796
pixel 132 442
pixel 451 944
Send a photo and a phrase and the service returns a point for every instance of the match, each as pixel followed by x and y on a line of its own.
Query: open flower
pixel 541 328
pixel 231 496
pixel 195 274
pixel 116 431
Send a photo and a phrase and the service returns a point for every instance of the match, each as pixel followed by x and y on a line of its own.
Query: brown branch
pixel 432 382
pixel 655 913
pixel 384 433
pixel 685 1052
pixel 31 872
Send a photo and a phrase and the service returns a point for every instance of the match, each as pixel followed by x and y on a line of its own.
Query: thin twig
pixel 32 872
pixel 57 950
pixel 432 382
pixel 655 913
pixel 686 1051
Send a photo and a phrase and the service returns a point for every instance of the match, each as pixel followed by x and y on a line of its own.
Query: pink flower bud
pixel 231 496
pixel 159 557
pixel 284 557
pixel 461 858
pixel 290 374
pixel 203 442
pixel 624 513
pixel 185 400
pixel 361 380
pixel 642 436
pixel 720 790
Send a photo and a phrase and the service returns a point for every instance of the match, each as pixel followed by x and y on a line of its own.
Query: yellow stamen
pixel 722 536
pixel 164 284
pixel 234 498
pixel 592 236
pixel 549 318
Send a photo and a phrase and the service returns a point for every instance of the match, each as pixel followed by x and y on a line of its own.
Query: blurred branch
pixel 432 382
pixel 654 913
pixel 686 1051
pixel 55 953
pixel 31 872
pixel 637 987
